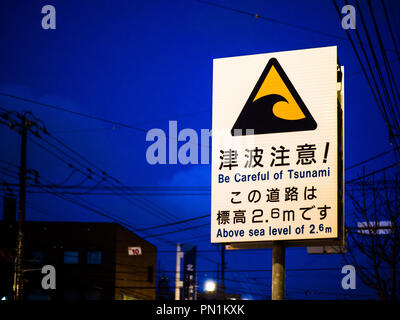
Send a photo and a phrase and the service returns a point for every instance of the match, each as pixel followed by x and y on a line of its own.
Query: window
pixel 37 295
pixel 93 257
pixel 71 257
pixel 150 273
pixel 93 294
pixel 70 294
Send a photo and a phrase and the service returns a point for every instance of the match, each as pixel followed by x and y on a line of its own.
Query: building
pixel 7 245
pixel 165 292
pixel 218 296
pixel 93 261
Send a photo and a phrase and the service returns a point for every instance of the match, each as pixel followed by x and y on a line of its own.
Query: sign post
pixel 178 281
pixel 189 272
pixel 277 153
pixel 278 270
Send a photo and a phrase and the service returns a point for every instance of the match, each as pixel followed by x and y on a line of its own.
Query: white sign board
pixel 374 227
pixel 134 251
pixel 275 166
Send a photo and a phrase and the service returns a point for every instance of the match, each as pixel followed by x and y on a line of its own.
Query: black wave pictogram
pixel 258 115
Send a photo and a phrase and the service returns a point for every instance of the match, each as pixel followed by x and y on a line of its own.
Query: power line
pixel 392 82
pixel 273 20
pixel 129 188
pixel 133 188
pixel 370 159
pixel 372 173
pixel 89 206
pixel 120 124
pixel 165 188
pixel 380 102
pixel 143 201
pixel 51 106
pixel 270 270
pixel 103 213
pixel 143 205
pixel 179 230
pixel 262 17
pixel 124 188
pixel 96 209
pixel 97 193
pixel 88 174
pixel 377 67
pixel 9 164
pixel 390 30
pixel 185 229
pixel 174 223
pixel 112 217
pixel 347 182
pixel 7 173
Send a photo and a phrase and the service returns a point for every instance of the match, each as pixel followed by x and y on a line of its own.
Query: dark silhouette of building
pixel 164 291
pixel 91 260
pixel 8 239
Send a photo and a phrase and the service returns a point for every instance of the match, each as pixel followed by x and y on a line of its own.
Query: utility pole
pixel 178 282
pixel 223 272
pixel 18 268
pixel 23 124
pixel 278 270
pixel 218 287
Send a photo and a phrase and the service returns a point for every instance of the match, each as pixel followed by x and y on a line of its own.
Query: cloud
pixel 187 206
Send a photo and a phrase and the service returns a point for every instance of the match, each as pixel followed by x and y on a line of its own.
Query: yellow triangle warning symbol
pixel 273 106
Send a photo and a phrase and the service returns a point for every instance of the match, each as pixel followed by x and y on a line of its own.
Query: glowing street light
pixel 210 286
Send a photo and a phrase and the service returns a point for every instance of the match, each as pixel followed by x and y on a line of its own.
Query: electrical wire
pixel 86 175
pixel 390 29
pixel 377 67
pixel 392 81
pixel 145 203
pixel 175 223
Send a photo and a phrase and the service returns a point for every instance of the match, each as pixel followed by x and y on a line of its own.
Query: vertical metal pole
pixel 18 268
pixel 178 282
pixel 223 272
pixel 278 270
pixel 217 292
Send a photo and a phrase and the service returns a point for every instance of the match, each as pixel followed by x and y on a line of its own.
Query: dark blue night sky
pixel 144 63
